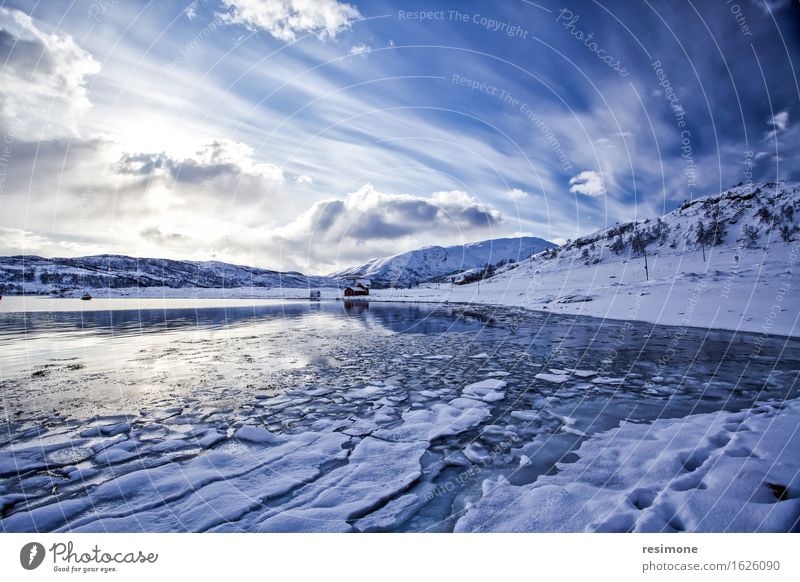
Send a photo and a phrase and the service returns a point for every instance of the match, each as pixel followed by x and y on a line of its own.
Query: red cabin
pixel 360 287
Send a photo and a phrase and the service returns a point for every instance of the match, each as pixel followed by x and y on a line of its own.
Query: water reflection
pixel 390 317
pixel 720 364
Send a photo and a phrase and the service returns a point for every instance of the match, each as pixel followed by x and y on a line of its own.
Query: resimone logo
pixel 31 555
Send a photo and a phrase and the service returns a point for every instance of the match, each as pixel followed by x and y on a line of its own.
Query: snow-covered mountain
pixel 37 275
pixel 723 261
pixel 432 263
pixel 745 217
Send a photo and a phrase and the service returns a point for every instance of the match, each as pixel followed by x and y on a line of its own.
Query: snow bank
pixel 719 472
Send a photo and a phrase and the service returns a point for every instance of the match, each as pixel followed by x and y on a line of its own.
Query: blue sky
pixel 314 134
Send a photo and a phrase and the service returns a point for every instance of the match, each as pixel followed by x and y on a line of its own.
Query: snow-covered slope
pixel 37 275
pixel 718 472
pixel 737 274
pixel 429 263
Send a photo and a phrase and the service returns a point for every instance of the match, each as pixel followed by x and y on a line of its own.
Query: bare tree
pixel 750 235
pixel 701 236
pixel 618 245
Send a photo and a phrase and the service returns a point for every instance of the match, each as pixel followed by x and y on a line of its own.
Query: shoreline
pixel 244 297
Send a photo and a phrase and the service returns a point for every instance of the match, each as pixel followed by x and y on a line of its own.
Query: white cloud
pixel 191 11
pixel 770 6
pixel 25 242
pixel 213 158
pixel 43 92
pixel 517 194
pixel 779 120
pixel 223 152
pixel 22 241
pixel 83 196
pixel 360 49
pixel 285 19
pixel 331 227
pixel 588 182
pixel 453 198
pixel 303 179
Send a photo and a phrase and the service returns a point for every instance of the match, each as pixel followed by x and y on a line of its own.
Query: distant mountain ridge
pixel 34 275
pixel 37 275
pixel 435 262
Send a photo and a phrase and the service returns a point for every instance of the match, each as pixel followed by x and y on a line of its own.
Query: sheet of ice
pixel 210 490
pixel 366 393
pixel 525 415
pixel 396 511
pixel 476 453
pixel 107 430
pixel 582 373
pixel 257 434
pixel 554 378
pixel 376 471
pixel 713 472
pixel 487 390
pixel 442 419
pixel 608 380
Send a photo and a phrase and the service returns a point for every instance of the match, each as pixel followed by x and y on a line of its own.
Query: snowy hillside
pixel 37 275
pixel 432 263
pixel 723 261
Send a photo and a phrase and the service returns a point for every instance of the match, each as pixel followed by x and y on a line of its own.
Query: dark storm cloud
pixel 368 215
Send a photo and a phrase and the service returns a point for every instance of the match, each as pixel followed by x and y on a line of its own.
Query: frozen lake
pixel 336 416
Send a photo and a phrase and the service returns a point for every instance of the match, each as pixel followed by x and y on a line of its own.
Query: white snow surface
pixel 717 472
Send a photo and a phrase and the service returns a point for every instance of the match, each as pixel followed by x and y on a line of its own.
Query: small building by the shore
pixel 357 288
